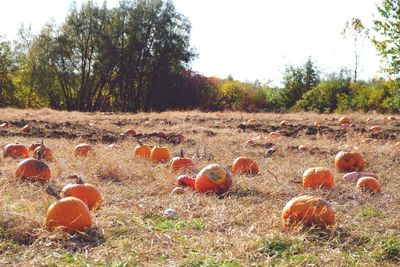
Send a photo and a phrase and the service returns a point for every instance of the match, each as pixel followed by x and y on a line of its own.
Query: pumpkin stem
pixel 53 192
pixel 41 150
pixel 76 179
pixel 139 142
pixel 182 156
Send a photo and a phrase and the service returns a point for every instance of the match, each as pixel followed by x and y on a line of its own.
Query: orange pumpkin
pixel 344 120
pixel 86 192
pixel 308 211
pixel 130 132
pixel 33 170
pixel 181 163
pixel 349 161
pixel 376 129
pixel 245 165
pixel 15 151
pixel 369 184
pixel 47 153
pixel 159 154
pixel 69 213
pixel 318 177
pixel 142 150
pixel 84 150
pixel 274 134
pixel 33 146
pixel 26 129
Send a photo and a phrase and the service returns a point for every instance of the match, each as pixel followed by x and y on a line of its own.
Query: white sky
pixel 249 39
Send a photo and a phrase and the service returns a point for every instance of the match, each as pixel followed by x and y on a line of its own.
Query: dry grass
pixel 241 228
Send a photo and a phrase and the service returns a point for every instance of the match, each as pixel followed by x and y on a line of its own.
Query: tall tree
pixel 388 40
pixel 356 30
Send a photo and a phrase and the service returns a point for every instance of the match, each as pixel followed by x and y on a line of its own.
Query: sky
pixel 247 39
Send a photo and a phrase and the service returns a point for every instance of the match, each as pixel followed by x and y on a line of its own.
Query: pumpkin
pixel 391 118
pixel 368 184
pixel 33 146
pixel 249 142
pixel 69 213
pixel 33 170
pixel 84 150
pixel 245 165
pixel 142 150
pixel 376 129
pixel 15 151
pixel 130 132
pixel 355 176
pixel 303 148
pixel 344 120
pixel 366 140
pixel 308 211
pixel 212 178
pixel 185 180
pixel 4 125
pixel 26 129
pixel 274 134
pixel 318 178
pixel 181 163
pixel 161 134
pixel 47 154
pixel 349 161
pixel 86 192
pixel 159 154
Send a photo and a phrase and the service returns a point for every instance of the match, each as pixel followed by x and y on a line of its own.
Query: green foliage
pixel 7 68
pixel 299 80
pixel 388 29
pixel 369 213
pixel 327 95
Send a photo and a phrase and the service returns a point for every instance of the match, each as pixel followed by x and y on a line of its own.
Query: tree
pixel 388 40
pixel 298 80
pixel 356 30
pixel 7 68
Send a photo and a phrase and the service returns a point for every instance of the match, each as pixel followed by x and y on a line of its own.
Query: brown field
pixel 241 228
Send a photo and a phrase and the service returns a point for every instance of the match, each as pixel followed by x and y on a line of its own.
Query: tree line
pixel 136 57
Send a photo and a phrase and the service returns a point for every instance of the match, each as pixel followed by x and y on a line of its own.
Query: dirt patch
pixel 330 132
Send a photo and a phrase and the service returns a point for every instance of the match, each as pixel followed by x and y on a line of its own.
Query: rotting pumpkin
pixel 349 161
pixel 368 184
pixel 212 178
pixel 307 211
pixel 84 150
